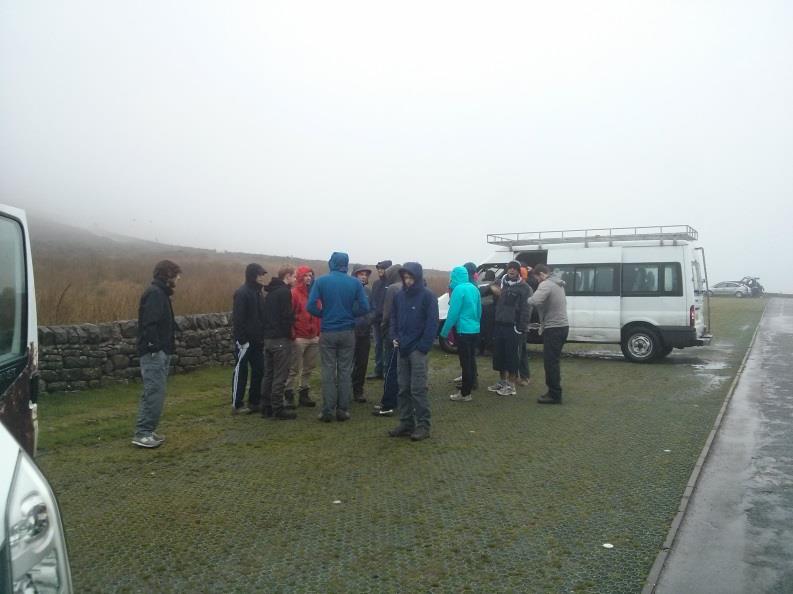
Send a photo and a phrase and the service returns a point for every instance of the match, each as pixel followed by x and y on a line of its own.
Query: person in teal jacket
pixel 465 311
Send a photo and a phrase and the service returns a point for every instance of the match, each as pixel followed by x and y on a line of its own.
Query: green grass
pixel 508 495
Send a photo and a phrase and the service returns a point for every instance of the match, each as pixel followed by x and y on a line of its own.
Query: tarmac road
pixel 737 534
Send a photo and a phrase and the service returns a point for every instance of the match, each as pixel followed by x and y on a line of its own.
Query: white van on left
pixel 33 555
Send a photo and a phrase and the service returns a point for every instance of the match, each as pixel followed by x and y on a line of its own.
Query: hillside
pixel 93 276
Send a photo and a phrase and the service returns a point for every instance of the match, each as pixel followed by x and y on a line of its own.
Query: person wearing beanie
pixel 511 324
pixel 278 319
pixel 248 318
pixel 337 299
pixel 156 345
pixel 378 296
pixel 305 341
pixel 363 340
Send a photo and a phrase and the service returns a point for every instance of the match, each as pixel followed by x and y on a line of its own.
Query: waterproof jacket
pixel 512 306
pixel 155 319
pixel 363 323
pixel 278 316
pixel 378 293
pixel 393 284
pixel 248 313
pixel 333 295
pixel 414 315
pixel 305 325
pixel 465 305
pixel 551 302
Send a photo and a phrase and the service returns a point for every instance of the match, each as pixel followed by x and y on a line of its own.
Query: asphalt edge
pixel 660 561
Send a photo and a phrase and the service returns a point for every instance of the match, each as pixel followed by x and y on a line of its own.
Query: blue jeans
pixel 414 405
pixel 154 370
pixel 336 350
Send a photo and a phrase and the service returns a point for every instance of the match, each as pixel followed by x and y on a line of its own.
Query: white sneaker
pixel 496 387
pixel 458 397
pixel 147 441
pixel 507 390
pixel 458 379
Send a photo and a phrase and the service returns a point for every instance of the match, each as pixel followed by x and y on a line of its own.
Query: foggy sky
pixel 404 130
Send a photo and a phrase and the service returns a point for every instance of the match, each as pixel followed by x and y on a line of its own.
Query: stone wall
pixel 92 355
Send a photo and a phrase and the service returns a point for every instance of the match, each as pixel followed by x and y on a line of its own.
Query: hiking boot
pixel 359 398
pixel 325 417
pixel 548 399
pixel 267 411
pixel 421 433
pixel 158 437
pixel 401 431
pixel 146 441
pixel 284 415
pixel 383 412
pixel 342 415
pixel 243 410
pixel 496 387
pixel 458 397
pixel 304 400
pixel 289 400
pixel 507 390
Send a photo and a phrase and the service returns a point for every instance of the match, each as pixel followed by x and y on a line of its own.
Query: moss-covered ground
pixel 506 496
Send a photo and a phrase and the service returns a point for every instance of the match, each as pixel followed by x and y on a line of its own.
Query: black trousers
pixel 359 363
pixel 466 351
pixel 553 340
pixel 252 355
pixel 524 358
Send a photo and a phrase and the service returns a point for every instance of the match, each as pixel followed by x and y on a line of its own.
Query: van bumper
pixel 682 336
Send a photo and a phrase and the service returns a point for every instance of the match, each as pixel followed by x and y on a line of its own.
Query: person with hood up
pixel 465 312
pixel 473 277
pixel 378 295
pixel 388 403
pixel 305 341
pixel 248 327
pixel 414 325
pixel 156 345
pixel 511 324
pixel 551 302
pixel 337 299
pixel 278 319
pixel 363 337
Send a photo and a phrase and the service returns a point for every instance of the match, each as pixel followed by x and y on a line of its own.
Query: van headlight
pixel 36 544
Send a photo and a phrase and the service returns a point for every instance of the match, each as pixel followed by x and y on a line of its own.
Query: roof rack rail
pixel 587 236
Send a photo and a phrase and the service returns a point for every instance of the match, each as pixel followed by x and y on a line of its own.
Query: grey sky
pixel 404 130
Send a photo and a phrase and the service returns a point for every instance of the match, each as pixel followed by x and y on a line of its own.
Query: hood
pixel 392 274
pixel 415 269
pixel 384 264
pixel 339 261
pixel 458 276
pixel 252 271
pixel 300 276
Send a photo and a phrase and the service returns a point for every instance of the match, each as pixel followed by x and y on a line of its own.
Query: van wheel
pixel 447 346
pixel 641 345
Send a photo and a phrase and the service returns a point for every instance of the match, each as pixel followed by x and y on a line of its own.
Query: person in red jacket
pixel 305 341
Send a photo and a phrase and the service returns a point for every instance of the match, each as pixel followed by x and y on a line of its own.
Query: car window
pixel 13 295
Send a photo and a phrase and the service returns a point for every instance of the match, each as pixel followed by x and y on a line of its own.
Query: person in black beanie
pixel 278 319
pixel 248 327
pixel 378 297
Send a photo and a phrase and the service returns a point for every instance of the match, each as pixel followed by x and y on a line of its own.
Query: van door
pixel 18 331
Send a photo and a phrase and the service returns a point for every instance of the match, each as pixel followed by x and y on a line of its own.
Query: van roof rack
pixel 586 236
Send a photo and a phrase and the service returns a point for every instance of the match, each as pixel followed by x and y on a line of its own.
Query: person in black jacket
pixel 155 347
pixel 248 315
pixel 378 296
pixel 278 319
pixel 363 340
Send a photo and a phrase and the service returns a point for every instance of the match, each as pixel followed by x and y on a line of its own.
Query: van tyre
pixel 641 345
pixel 446 346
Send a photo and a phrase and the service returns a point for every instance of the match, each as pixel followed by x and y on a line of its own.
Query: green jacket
pixel 465 305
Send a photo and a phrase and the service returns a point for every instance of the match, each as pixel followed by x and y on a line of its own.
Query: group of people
pixel 281 328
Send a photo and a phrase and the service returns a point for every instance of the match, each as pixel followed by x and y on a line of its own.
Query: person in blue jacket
pixel 341 299
pixel 465 311
pixel 414 324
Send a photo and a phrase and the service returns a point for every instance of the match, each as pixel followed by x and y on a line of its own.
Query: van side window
pixel 652 280
pixel 606 279
pixel 567 274
pixel 584 279
pixel 13 294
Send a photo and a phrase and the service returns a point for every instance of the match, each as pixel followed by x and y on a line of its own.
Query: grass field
pixel 508 495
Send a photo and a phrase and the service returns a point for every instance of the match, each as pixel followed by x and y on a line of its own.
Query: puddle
pixel 713 365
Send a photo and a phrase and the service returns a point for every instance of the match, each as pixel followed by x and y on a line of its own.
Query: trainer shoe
pixel 458 379
pixel 158 437
pixel 383 412
pixel 146 441
pixel 496 387
pixel 548 399
pixel 507 390
pixel 458 397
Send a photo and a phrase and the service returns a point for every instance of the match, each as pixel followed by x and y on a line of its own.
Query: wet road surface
pixel 737 534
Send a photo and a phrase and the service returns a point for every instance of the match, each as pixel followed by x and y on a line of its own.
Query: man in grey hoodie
pixel 550 301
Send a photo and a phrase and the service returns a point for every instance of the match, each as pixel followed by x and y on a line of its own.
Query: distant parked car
pixel 731 288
